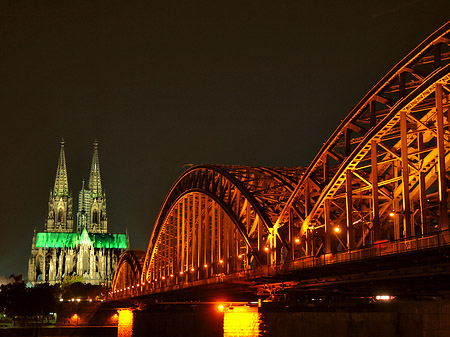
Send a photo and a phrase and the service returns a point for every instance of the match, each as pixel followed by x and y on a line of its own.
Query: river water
pixel 251 321
pixel 202 320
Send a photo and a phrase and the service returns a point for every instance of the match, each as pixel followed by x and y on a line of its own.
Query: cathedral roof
pixel 72 240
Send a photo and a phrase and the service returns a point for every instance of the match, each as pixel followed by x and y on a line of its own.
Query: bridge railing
pixel 379 249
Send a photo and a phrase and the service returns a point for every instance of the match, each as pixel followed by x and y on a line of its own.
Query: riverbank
pixel 84 331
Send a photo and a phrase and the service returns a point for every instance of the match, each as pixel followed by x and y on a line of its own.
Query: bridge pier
pixel 397 318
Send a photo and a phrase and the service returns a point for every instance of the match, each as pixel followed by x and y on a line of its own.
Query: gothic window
pixel 60 214
pixel 48 260
pixel 39 267
pixel 85 262
pixel 95 217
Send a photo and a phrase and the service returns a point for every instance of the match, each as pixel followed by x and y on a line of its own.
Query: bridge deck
pixel 411 259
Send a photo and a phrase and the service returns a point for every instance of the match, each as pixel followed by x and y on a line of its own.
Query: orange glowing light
pixel 240 256
pixel 266 249
pixel 171 275
pixel 125 325
pixel 205 265
pixel 241 321
pixel 163 278
pixel 221 261
pixel 392 214
pixel 181 273
pixel 220 307
pixel 297 240
pixel 337 229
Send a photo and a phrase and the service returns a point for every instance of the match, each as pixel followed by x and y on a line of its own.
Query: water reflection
pixel 227 320
pixel 241 321
pixel 125 326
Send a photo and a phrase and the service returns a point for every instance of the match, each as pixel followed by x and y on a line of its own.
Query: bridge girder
pixel 209 205
pixel 383 172
pixel 129 270
pixel 381 176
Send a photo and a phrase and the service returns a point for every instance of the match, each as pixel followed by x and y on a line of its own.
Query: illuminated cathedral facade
pixel 80 246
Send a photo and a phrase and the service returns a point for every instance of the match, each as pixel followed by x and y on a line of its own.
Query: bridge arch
pixel 129 270
pixel 218 219
pixel 382 175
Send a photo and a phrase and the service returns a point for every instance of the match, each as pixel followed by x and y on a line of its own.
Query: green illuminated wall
pixel 71 240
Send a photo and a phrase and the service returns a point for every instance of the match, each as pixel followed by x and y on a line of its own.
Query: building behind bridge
pixel 80 246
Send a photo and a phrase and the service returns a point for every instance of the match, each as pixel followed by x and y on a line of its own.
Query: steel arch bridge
pixel 129 269
pixel 381 178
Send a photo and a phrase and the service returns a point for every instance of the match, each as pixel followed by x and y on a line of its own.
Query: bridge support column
pixel 442 179
pixel 207 243
pixel 423 196
pixel 328 229
pixel 199 238
pixel 375 206
pixel 349 210
pixel 291 235
pixel 408 229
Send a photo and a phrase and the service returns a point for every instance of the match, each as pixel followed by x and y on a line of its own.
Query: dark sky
pixel 164 84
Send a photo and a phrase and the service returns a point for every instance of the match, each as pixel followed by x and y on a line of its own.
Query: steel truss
pixel 129 270
pixel 217 220
pixel 381 176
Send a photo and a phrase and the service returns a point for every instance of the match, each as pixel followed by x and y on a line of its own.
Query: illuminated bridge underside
pixel 379 181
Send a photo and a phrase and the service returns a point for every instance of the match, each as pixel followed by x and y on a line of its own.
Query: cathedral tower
pixel 92 203
pixel 59 217
pixel 86 249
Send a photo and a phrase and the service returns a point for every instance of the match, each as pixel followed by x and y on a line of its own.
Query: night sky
pixel 163 84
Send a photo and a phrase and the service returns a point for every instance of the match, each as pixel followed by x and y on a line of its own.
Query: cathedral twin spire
pixel 61 181
pixel 92 203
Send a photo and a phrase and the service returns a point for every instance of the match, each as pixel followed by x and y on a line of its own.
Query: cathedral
pixel 76 247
